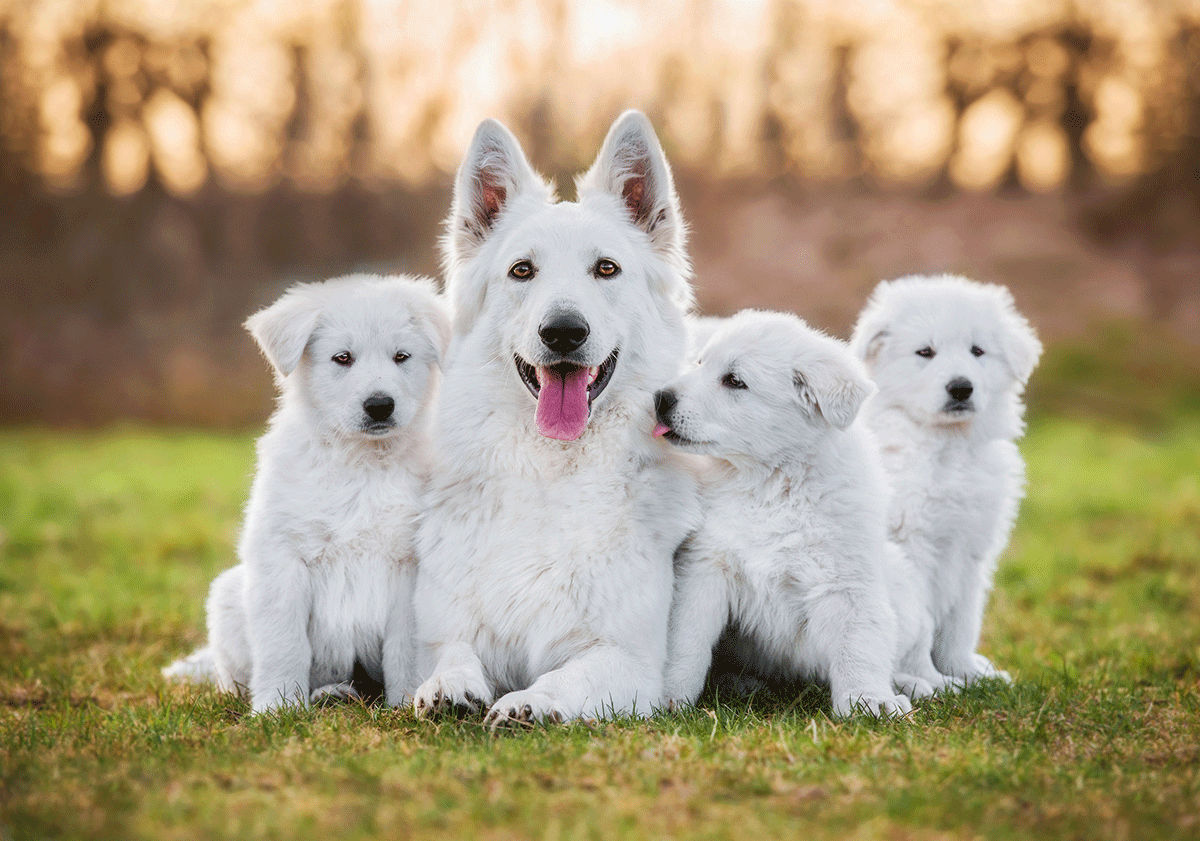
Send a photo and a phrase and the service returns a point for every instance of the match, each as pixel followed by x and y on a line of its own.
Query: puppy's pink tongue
pixel 661 430
pixel 562 409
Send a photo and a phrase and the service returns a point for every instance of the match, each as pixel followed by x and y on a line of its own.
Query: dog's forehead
pixel 367 319
pixel 567 229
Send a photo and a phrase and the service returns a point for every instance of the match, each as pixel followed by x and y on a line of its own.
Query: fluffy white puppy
pixel 791 551
pixel 327 549
pixel 545 578
pixel 950 358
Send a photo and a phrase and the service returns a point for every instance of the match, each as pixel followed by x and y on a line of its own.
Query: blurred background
pixel 167 167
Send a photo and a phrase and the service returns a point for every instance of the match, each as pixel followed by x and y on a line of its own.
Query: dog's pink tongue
pixel 661 430
pixel 562 409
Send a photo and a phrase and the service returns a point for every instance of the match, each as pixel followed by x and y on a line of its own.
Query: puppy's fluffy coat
pixel 327 549
pixel 792 550
pixel 950 358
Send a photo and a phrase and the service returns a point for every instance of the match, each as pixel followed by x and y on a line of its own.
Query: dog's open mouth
pixel 564 394
pixel 661 430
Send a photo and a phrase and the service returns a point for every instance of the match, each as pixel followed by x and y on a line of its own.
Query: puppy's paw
pixel 876 705
pixel 523 709
pixel 914 687
pixel 450 693
pixel 983 669
pixel 343 691
pixel 268 702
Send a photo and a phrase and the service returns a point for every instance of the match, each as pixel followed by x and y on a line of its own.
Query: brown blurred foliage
pixel 165 168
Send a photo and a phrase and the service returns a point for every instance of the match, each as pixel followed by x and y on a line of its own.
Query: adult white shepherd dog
pixel 546 554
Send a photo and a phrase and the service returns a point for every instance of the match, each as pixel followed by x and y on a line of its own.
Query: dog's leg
pixel 226 614
pixel 458 683
pixel 279 604
pixel 860 632
pixel 699 612
pixel 601 681
pixel 399 651
pixel 955 641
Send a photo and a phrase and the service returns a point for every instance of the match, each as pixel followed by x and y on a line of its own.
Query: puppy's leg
pixel 457 683
pixel 399 650
pixel 226 611
pixel 699 612
pixel 600 681
pixel 278 603
pixel 858 631
pixel 955 641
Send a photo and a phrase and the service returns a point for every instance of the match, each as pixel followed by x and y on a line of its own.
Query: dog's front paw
pixel 450 693
pixel 877 705
pixel 343 691
pixel 273 700
pixel 523 709
pixel 916 688
pixel 983 669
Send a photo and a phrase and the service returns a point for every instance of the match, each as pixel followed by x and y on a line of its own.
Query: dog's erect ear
pixel 834 387
pixel 631 165
pixel 283 329
pixel 1021 346
pixel 493 175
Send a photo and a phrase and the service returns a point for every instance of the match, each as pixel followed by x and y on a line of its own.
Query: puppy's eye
pixel 927 353
pixel 345 358
pixel 521 270
pixel 732 380
pixel 606 268
pixel 976 350
pixel 399 357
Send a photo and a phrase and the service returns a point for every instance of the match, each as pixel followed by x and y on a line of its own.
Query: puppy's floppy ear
pixel 1021 346
pixel 631 166
pixel 492 176
pixel 872 330
pixel 835 387
pixel 437 316
pixel 283 329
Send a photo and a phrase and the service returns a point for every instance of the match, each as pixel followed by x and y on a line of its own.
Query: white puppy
pixel 545 578
pixel 791 553
pixel 950 358
pixel 327 552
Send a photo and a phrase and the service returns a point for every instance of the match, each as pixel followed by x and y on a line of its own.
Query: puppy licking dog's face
pixel 357 354
pixel 765 384
pixel 944 351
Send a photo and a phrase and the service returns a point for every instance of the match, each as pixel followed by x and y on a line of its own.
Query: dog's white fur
pixel 545 579
pixel 792 550
pixel 957 476
pixel 327 557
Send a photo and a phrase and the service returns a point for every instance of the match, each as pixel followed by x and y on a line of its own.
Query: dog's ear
pixel 834 387
pixel 872 330
pixel 631 165
pixel 283 329
pixel 492 176
pixel 437 316
pixel 1022 349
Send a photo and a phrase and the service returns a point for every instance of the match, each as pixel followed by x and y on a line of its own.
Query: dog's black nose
pixel 960 388
pixel 664 402
pixel 564 333
pixel 379 407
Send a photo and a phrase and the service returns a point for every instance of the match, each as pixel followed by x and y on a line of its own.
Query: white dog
pixel 950 359
pixel 546 554
pixel 327 553
pixel 792 551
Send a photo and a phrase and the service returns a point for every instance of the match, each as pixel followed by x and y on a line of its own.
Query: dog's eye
pixel 399 357
pixel 926 353
pixel 606 268
pixel 345 358
pixel 732 380
pixel 976 350
pixel 521 270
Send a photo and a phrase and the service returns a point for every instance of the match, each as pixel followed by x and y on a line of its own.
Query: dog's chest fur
pixel 351 522
pixel 541 559
pixel 952 507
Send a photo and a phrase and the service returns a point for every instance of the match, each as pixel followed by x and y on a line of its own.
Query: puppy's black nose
pixel 564 333
pixel 960 388
pixel 664 402
pixel 379 407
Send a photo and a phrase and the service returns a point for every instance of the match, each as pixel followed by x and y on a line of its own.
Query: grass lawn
pixel 108 542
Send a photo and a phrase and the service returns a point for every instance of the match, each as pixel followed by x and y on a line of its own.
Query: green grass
pixel 109 540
